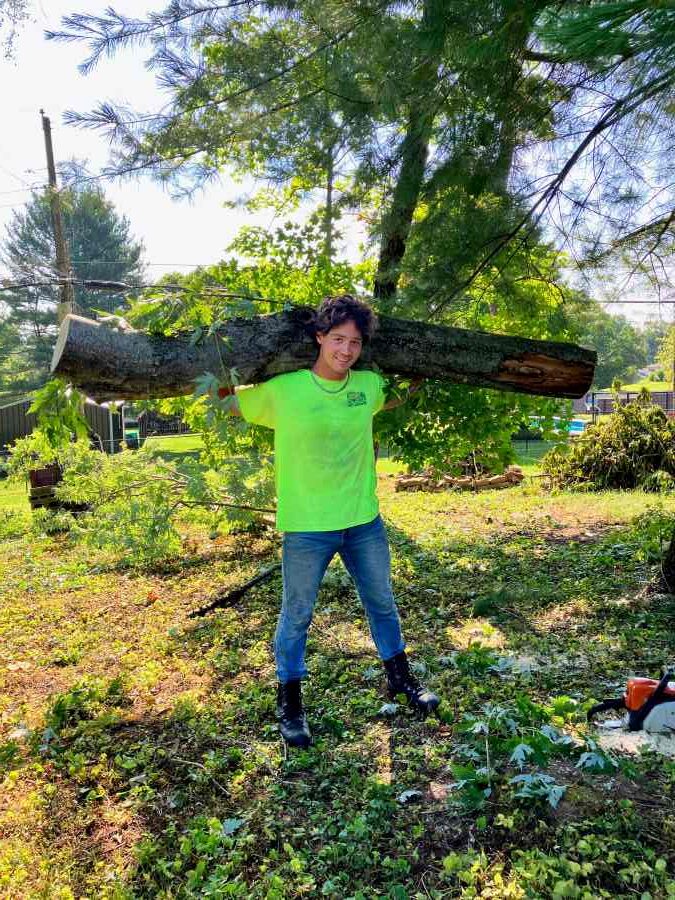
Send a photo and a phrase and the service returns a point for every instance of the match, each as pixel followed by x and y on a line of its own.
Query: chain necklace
pixel 324 389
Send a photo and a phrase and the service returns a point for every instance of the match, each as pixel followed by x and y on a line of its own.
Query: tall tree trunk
pixel 397 223
pixel 517 27
pixel 414 153
pixel 328 215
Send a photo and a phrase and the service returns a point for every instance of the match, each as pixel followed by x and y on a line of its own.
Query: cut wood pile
pixel 430 481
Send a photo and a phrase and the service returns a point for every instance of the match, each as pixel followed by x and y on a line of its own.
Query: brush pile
pixel 634 447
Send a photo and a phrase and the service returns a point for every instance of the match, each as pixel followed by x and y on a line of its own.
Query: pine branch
pixel 616 113
pixel 107 34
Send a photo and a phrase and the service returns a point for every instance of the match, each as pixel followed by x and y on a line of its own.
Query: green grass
pixel 13 497
pixel 173 447
pixel 176 447
pixel 141 757
pixel 530 453
pixel 649 385
pixel 390 467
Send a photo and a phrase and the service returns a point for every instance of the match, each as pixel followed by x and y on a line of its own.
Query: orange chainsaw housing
pixel 639 690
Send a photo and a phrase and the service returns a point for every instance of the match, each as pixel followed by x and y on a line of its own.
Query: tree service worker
pixel 326 493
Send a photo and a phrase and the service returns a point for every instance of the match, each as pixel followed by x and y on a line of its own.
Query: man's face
pixel 340 347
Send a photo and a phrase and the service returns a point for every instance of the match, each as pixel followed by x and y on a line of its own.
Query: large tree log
pixel 109 364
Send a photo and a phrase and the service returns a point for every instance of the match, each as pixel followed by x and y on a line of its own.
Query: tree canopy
pixel 626 199
pixel 394 110
pixel 414 113
pixel 622 347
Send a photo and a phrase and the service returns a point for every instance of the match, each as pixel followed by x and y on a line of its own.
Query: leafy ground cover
pixel 140 756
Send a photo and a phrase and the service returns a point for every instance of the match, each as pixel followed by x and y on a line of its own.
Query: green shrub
pixel 634 447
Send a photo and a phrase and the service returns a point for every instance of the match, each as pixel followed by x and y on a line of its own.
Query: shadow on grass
pixel 202 802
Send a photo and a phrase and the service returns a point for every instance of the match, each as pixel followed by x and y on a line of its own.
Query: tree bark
pixel 398 221
pixel 432 34
pixel 108 364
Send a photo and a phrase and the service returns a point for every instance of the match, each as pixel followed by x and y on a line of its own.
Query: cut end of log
pixel 61 342
pixel 536 373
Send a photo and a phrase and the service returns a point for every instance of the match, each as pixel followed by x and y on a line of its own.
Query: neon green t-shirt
pixel 323 446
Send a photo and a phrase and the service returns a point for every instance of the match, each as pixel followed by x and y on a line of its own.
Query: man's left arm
pixel 415 385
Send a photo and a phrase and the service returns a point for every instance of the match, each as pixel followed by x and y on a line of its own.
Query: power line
pixel 182 265
pixel 24 190
pixel 122 287
pixel 15 205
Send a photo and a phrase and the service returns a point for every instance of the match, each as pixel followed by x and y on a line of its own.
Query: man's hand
pixel 415 385
pixel 232 405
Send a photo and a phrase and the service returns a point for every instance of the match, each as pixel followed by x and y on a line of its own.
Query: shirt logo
pixel 356 398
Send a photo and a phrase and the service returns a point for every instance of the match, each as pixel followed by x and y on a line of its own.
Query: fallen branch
pixel 430 482
pixel 107 363
pixel 232 596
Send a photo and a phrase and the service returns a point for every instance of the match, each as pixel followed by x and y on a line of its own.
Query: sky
pixel 178 234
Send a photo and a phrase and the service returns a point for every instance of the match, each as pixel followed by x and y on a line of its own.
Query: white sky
pixel 177 234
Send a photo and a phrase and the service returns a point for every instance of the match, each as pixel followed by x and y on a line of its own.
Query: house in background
pixel 151 424
pixel 104 420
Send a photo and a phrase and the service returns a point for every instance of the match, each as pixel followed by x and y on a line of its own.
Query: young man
pixel 327 503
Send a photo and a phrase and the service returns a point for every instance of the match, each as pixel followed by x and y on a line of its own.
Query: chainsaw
pixel 650 705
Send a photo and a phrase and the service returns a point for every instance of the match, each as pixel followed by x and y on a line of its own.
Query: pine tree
pixel 101 247
pixel 627 202
pixel 383 107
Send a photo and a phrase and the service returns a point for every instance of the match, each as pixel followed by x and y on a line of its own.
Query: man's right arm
pixel 255 402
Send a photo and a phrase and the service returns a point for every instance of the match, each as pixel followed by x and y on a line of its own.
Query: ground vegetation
pixel 633 447
pixel 139 752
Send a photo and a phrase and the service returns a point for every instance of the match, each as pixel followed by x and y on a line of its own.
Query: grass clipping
pixel 634 447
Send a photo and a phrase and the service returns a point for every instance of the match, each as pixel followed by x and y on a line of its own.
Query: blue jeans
pixel 364 550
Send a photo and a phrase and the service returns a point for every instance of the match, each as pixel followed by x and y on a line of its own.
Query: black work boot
pixel 292 719
pixel 400 680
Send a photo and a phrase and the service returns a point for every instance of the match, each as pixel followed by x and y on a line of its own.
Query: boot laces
pixel 412 684
pixel 407 679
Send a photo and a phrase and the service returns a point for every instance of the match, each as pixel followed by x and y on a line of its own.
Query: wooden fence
pixel 16 422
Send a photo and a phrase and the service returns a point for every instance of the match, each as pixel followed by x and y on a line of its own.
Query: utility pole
pixel 672 360
pixel 67 302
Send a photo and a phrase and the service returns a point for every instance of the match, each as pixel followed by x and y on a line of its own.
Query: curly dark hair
pixel 334 311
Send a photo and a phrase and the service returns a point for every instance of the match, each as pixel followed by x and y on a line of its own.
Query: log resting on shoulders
pixel 108 364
